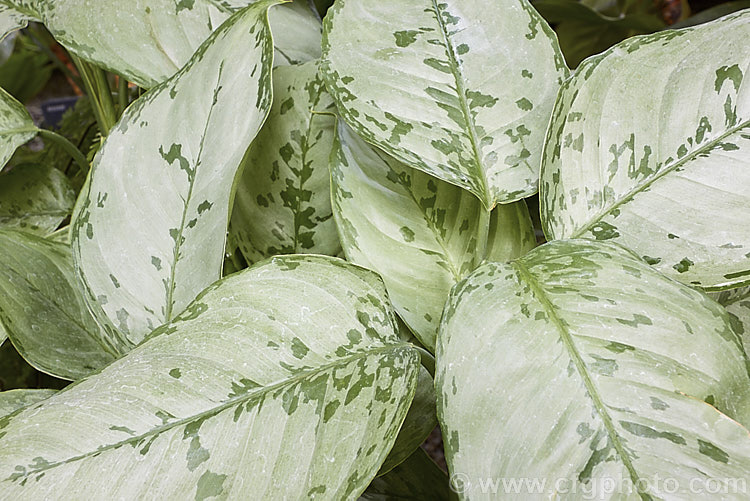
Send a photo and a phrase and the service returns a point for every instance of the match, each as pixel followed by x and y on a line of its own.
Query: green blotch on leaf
pixel 710 450
pixel 405 38
pixel 209 485
pixel 731 73
pixel 175 373
pixel 204 206
pixel 123 429
pixel 648 432
pixel 652 260
pixel 330 410
pixel 441 66
pixel 616 347
pixel 299 349
pixel 603 366
pixel 175 155
pixel 658 404
pixel 196 454
pixel 524 104
pixel 407 233
pixel 638 319
pixel 683 266
pixel 185 5
pixel 604 231
pixel 286 105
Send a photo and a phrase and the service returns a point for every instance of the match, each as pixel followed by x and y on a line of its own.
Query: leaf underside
pixel 43 311
pixel 35 198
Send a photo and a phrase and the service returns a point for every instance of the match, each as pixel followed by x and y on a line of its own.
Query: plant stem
pixel 105 95
pixel 97 88
pixel 61 141
pixel 428 361
pixel 483 233
pixel 122 94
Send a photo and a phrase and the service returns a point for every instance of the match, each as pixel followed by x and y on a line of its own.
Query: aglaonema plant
pixel 300 223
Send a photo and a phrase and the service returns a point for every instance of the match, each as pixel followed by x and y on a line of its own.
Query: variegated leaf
pixel 416 478
pixel 16 14
pixel 419 423
pixel 648 147
pixel 283 201
pixel 12 400
pixel 150 233
pixel 43 310
pixel 16 126
pixel 35 198
pixel 417 232
pixel 581 366
pixel 737 304
pixel 296 30
pixel 149 41
pixel 284 381
pixel 460 89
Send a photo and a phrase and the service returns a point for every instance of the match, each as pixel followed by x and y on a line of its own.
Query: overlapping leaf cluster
pixel 374 171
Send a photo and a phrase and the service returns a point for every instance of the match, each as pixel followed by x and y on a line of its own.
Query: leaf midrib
pixel 591 389
pixel 706 147
pixel 304 150
pixel 222 407
pixel 178 241
pixel 461 91
pixel 438 237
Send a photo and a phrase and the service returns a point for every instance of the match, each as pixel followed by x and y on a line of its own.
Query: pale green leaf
pixel 284 381
pixel 416 478
pixel 417 232
pixel 737 304
pixel 16 127
pixel 419 423
pixel 296 30
pixel 150 232
pixel 581 366
pixel 462 90
pixel 12 400
pixel 16 14
pixel 35 198
pixel 283 200
pixel 148 41
pixel 43 311
pixel 648 146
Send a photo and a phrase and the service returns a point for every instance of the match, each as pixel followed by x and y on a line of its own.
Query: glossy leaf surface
pixel 460 89
pixel 145 249
pixel 559 366
pixel 649 146
pixel 284 381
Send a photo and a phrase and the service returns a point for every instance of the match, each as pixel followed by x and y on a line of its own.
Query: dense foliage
pixel 271 252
